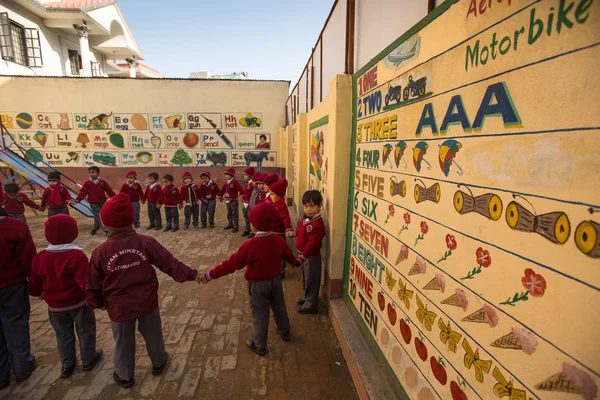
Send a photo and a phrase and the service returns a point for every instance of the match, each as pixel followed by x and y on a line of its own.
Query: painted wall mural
pixel 318 163
pixel 473 249
pixel 113 139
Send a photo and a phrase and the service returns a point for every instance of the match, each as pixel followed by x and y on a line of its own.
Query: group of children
pixel 119 276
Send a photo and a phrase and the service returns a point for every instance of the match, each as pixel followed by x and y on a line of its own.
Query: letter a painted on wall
pixel 502 106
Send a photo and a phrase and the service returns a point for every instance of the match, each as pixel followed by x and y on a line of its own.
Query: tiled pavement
pixel 205 329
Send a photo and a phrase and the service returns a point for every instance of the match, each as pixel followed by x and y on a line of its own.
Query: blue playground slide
pixel 34 174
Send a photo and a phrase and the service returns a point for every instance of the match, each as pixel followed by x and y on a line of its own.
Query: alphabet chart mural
pixel 473 255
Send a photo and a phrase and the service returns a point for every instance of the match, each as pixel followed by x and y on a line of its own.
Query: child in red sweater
pixel 261 256
pixel 170 199
pixel 231 190
pixel 190 196
pixel 56 196
pixel 15 202
pixel 122 278
pixel 136 194
pixel 209 191
pixel 95 189
pixel 58 273
pixel 154 197
pixel 310 234
pixel 254 197
pixel 248 189
pixel 283 225
pixel 268 181
pixel 261 186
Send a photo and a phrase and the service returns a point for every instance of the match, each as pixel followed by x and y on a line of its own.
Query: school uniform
pixel 136 194
pixel 231 190
pixel 208 195
pixel 16 253
pixel 170 200
pixel 55 199
pixel 310 236
pixel 190 195
pixel 122 278
pixel 154 197
pixel 95 191
pixel 283 223
pixel 248 189
pixel 15 206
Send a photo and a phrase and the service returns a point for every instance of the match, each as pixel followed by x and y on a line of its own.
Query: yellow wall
pixel 299 181
pixel 475 270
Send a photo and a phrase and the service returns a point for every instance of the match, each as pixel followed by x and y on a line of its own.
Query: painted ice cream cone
pixel 557 383
pixel 510 341
pixel 478 316
pixel 432 285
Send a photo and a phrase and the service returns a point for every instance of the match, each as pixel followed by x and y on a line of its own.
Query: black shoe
pixel 228 227
pixel 158 228
pixel 93 232
pixel 300 301
pixel 234 230
pixel 150 227
pixel 158 370
pixel 285 336
pixel 91 366
pixel 245 234
pixel 66 372
pixel 196 227
pixel 4 385
pixel 251 235
pixel 174 229
pixel 302 310
pixel 125 384
pixel 212 226
pixel 167 229
pixel 27 375
pixel 137 226
pixel 254 348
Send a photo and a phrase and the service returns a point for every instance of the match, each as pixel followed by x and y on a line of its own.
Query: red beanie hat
pixel 271 179
pixel 205 173
pixel 249 171
pixel 187 175
pixel 131 173
pixel 117 213
pixel 263 216
pixel 256 176
pixel 61 229
pixel 261 178
pixel 279 187
pixel 230 171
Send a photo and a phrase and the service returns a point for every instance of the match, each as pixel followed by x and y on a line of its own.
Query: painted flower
pixel 490 315
pixel 450 242
pixel 441 282
pixel 582 381
pixel 407 218
pixel 391 210
pixel 424 227
pixel 534 283
pixel 527 339
pixel 462 299
pixel 483 257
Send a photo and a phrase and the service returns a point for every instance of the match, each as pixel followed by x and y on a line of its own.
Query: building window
pixel 19 45
pixel 96 69
pixel 75 61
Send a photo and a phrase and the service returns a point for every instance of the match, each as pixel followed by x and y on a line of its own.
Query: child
pixel 56 196
pixel 171 200
pixel 231 189
pixel 248 188
pixel 254 197
pixel 16 253
pixel 269 180
pixel 58 273
pixel 136 194
pixel 95 190
pixel 154 198
pixel 190 193
pixel 122 279
pixel 208 194
pixel 283 225
pixel 310 234
pixel 14 202
pixel 261 256
pixel 261 186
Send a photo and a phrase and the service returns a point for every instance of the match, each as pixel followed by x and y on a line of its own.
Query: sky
pixel 269 39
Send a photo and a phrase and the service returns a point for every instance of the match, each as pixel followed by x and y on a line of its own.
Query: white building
pixel 65 38
pixel 208 75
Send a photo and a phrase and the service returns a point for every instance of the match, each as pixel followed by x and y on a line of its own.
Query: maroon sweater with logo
pixel 134 191
pixel 310 235
pixel 154 193
pixel 260 255
pixel 55 196
pixel 16 251
pixel 121 276
pixel 95 191
pixel 209 191
pixel 16 205
pixel 248 189
pixel 170 196
pixel 231 189
pixel 185 194
pixel 284 222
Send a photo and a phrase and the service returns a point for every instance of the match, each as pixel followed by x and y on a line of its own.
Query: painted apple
pixel 438 370
pixel 381 301
pixel 421 349
pixel 392 314
pixel 456 391
pixel 191 140
pixel 405 331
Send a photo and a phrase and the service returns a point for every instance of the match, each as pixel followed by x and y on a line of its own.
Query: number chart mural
pixel 142 140
pixel 473 251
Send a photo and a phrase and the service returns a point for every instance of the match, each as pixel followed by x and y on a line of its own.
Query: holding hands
pixel 201 278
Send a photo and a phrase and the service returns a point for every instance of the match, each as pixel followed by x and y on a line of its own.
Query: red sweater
pixel 154 193
pixel 310 235
pixel 95 192
pixel 16 205
pixel 248 189
pixel 185 194
pixel 135 191
pixel 16 251
pixel 55 196
pixel 121 276
pixel 262 196
pixel 231 189
pixel 283 223
pixel 261 255
pixel 170 196
pixel 60 275
pixel 209 191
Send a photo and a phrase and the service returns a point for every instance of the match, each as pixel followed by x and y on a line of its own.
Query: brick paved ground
pixel 205 329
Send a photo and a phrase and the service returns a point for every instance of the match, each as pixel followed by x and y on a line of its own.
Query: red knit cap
pixel 249 171
pixel 256 176
pixel 61 229
pixel 230 171
pixel 271 179
pixel 263 216
pixel 131 173
pixel 187 175
pixel 205 173
pixel 117 213
pixel 279 187
pixel 261 178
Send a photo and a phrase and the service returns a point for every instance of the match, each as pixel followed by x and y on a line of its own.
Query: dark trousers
pixel 20 217
pixel 264 295
pixel 172 217
pixel 208 208
pixel 58 210
pixel 96 207
pixel 154 215
pixel 311 280
pixel 124 334
pixel 246 212
pixel 191 213
pixel 136 213
pixel 15 346
pixel 84 322
pixel 233 216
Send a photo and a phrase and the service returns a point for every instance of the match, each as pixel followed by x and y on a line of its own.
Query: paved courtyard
pixel 205 329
